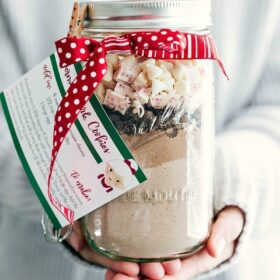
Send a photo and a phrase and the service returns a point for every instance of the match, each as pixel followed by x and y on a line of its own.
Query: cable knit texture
pixel 247 145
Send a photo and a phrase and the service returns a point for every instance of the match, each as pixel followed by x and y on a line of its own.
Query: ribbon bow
pixel 165 44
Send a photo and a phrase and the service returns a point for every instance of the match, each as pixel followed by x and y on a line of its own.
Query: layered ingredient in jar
pixel 158 108
pixel 141 94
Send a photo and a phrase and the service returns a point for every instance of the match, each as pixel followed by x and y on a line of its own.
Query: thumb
pixel 226 229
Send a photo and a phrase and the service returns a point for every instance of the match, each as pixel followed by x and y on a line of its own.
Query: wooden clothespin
pixel 77 19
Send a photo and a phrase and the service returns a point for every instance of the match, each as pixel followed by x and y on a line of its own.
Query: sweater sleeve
pixel 248 161
pixel 17 55
pixel 15 191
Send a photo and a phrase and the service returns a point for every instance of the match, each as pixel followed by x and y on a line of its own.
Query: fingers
pixel 153 271
pixel 220 246
pixel 130 269
pixel 158 270
pixel 203 262
pixel 172 267
pixel 226 229
pixel 111 275
pixel 77 239
pixel 199 263
pixel 78 242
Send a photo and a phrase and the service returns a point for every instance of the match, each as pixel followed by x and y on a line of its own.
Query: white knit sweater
pixel 248 139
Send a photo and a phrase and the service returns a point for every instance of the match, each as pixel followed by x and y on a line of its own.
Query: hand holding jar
pixel 220 247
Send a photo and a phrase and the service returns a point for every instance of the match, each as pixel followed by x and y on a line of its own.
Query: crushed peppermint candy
pixel 131 80
pixel 141 94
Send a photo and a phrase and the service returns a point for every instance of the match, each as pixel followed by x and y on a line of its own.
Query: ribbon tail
pixel 78 94
pixel 222 68
pixel 66 212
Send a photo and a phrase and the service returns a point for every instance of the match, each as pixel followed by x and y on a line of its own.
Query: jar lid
pixel 148 14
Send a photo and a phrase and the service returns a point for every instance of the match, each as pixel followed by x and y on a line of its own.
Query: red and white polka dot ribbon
pixel 165 44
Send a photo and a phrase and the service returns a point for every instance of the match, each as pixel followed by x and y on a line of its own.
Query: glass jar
pixel 167 122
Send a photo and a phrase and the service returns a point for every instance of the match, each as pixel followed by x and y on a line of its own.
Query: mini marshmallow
pixel 141 81
pixel 147 63
pixel 123 106
pixel 109 100
pixel 109 73
pixel 169 82
pixel 186 62
pixel 201 64
pixel 165 74
pixel 182 87
pixel 194 75
pixel 129 60
pixel 100 93
pixel 159 100
pixel 123 89
pixel 167 65
pixel 115 101
pixel 158 86
pixel 128 71
pixel 114 60
pixel 180 72
pixel 138 108
pixel 109 85
pixel 143 95
pixel 153 72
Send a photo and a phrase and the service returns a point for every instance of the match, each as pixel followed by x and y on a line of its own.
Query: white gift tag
pixel 93 166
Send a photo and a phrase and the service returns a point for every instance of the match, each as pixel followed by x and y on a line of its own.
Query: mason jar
pixel 167 122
